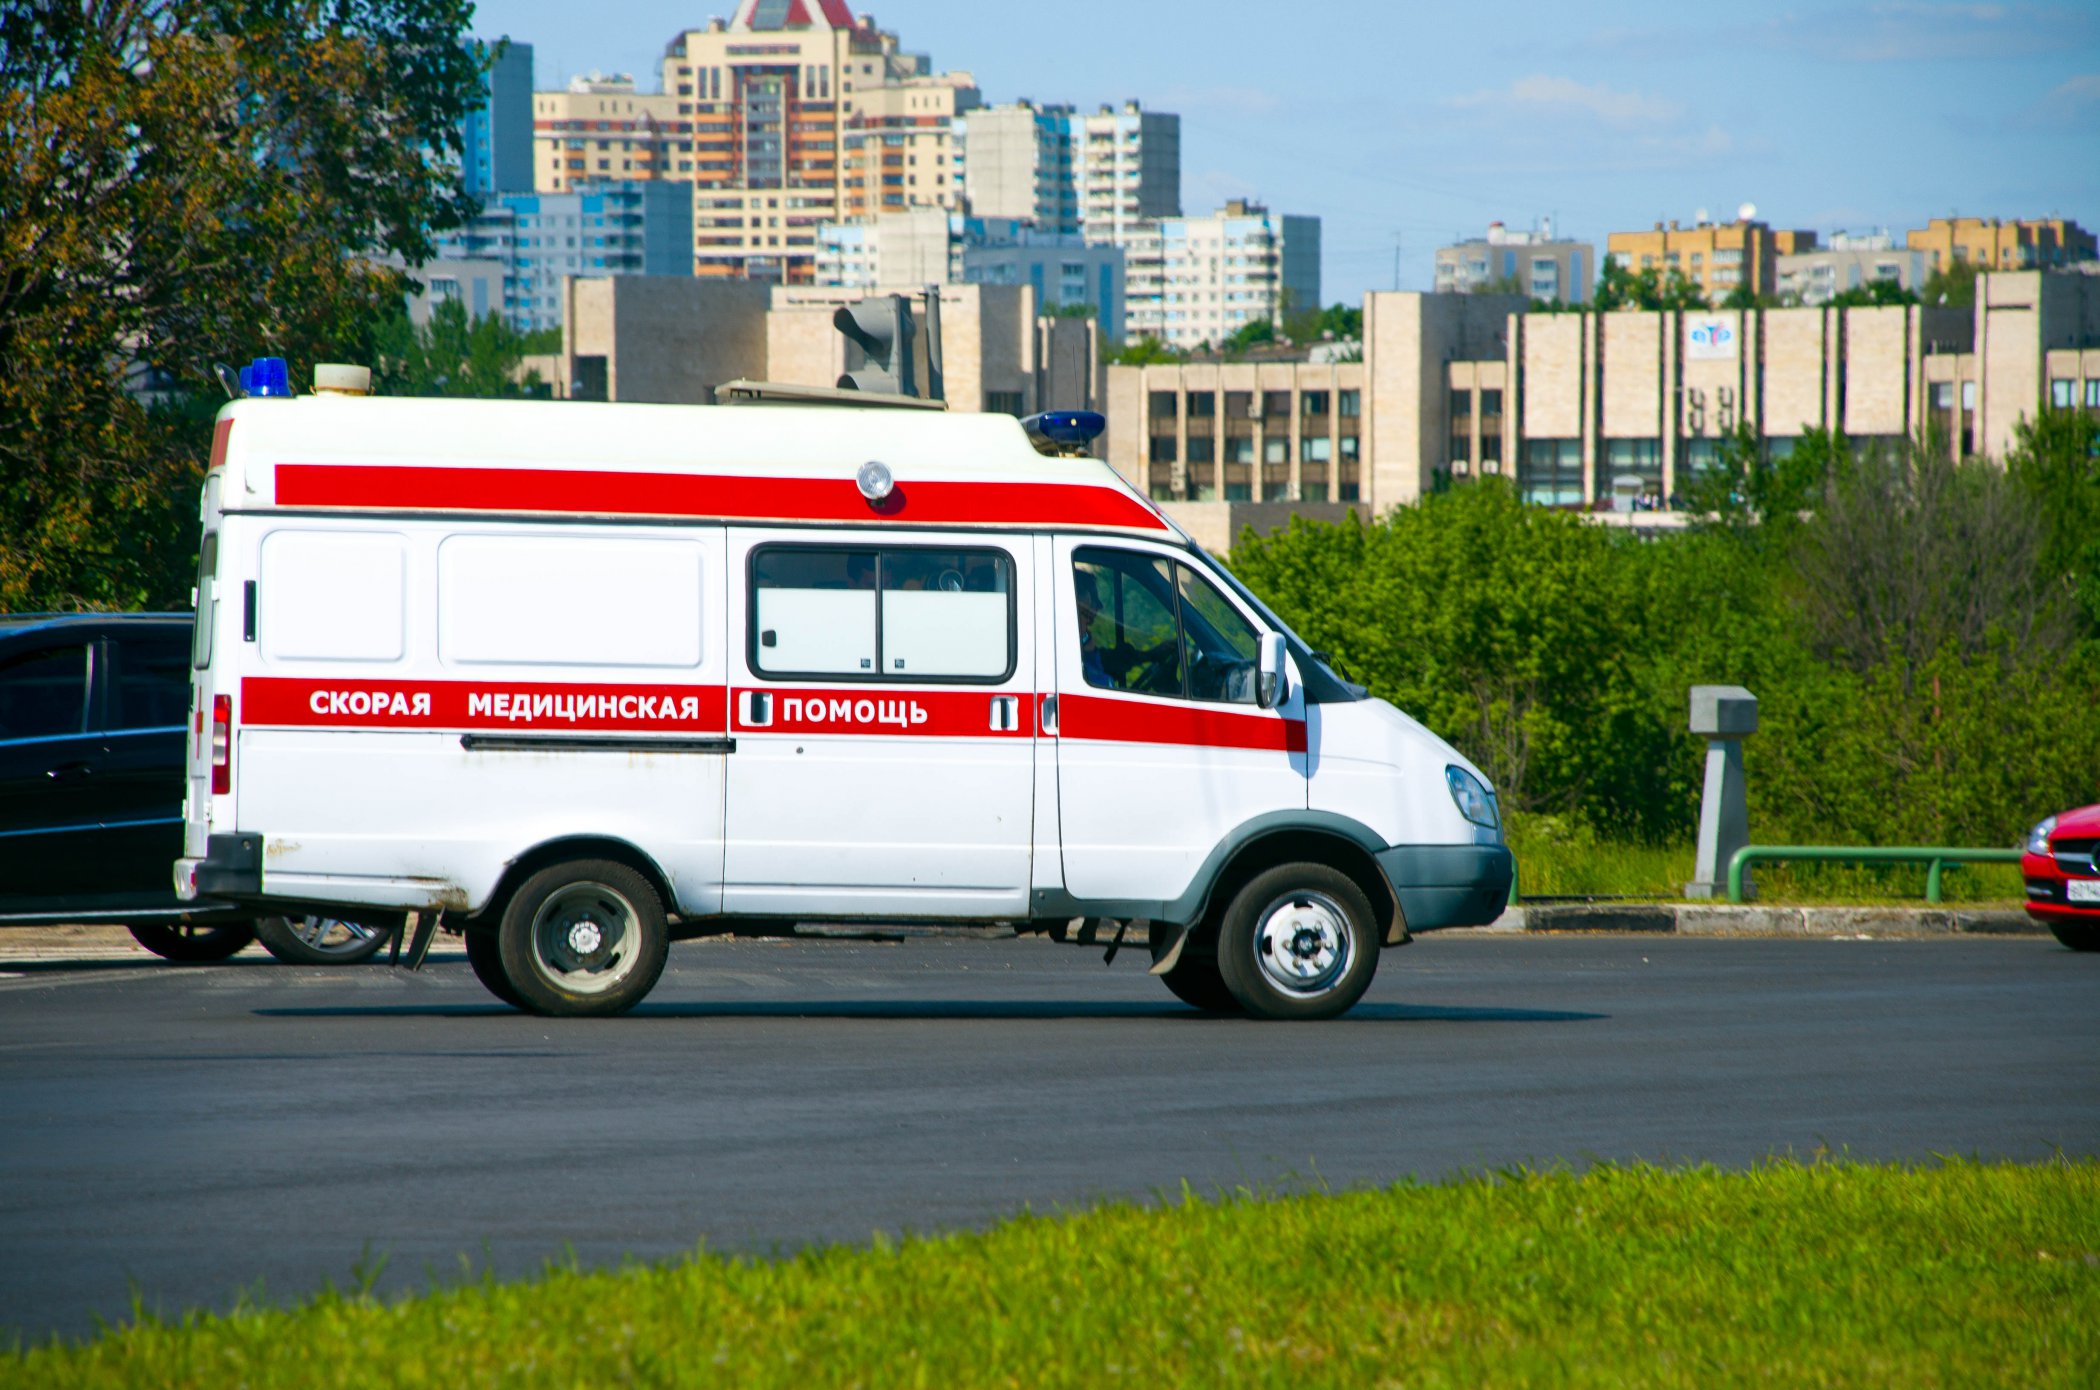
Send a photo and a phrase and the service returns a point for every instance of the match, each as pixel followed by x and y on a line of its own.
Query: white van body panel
pixel 1373 763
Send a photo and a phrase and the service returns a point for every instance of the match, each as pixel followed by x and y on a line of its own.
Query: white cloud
pixel 2069 101
pixel 1239 101
pixel 1564 95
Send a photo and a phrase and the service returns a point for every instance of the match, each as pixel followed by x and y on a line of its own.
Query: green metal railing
pixel 1938 856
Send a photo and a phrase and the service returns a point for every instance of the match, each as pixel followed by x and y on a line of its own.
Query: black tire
pixel 1195 981
pixel 485 955
pixel 2079 936
pixel 1298 942
pixel 187 942
pixel 583 939
pixel 313 940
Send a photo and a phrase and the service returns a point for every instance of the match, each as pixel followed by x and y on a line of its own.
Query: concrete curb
pixel 1712 919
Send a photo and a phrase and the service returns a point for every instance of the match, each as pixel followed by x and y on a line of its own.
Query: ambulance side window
pixel 1153 626
pixel 1129 633
pixel 888 613
pixel 813 611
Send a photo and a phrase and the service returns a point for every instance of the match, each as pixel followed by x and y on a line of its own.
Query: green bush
pixel 1917 635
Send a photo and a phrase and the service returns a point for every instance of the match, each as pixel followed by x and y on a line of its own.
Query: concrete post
pixel 1724 714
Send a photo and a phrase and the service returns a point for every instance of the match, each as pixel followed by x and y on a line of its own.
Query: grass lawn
pixel 1832 1274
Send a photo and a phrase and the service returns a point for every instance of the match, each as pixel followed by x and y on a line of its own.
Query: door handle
pixel 1006 713
pixel 1047 715
pixel 757 711
pixel 70 772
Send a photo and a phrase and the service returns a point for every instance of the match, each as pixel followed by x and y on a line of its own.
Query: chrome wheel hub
pixel 585 938
pixel 1303 944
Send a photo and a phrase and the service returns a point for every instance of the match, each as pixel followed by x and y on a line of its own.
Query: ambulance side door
pixel 1161 749
pixel 883 708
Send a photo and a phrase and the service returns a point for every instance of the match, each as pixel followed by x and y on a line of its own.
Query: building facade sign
pixel 1709 337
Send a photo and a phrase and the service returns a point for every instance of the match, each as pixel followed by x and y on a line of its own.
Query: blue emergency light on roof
pixel 266 376
pixel 1072 429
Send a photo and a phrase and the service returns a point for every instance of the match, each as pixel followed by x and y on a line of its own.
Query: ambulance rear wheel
pixel 583 939
pixel 485 955
pixel 1298 942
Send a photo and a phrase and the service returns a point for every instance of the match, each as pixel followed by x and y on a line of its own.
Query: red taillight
pixel 221 744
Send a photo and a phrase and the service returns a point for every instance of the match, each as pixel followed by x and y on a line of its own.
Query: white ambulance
pixel 585 678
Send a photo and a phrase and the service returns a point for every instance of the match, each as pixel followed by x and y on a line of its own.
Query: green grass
pixel 1557 857
pixel 1833 1274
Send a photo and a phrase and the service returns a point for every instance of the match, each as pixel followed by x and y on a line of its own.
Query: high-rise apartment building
pixel 1097 175
pixel 602 128
pixel 496 136
pixel 2034 243
pixel 797 114
pixel 1197 280
pixel 1531 263
pixel 933 247
pixel 628 227
pixel 1718 257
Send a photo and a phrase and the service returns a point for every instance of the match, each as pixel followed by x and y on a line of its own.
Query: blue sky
pixel 1393 122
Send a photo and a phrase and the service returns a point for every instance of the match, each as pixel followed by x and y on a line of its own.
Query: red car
pixel 2062 866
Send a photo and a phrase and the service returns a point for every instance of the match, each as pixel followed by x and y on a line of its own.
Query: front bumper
pixel 1449 885
pixel 232 864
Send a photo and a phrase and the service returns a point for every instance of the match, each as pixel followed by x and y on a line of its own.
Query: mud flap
pixel 1168 939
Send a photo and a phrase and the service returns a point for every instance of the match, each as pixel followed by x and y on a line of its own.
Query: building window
pixel 1275 449
pixel 1162 448
pixel 1549 472
pixel 1313 402
pixel 1314 449
pixel 1276 405
pixel 1239 405
pixel 1202 404
pixel 2092 394
pixel 1940 395
pixel 1239 448
pixel 1968 396
pixel 1632 467
pixel 1348 404
pixel 1163 406
pixel 1200 448
pixel 1461 408
pixel 2060 393
pixel 1004 403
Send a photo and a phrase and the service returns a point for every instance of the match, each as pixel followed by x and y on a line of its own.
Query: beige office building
pixel 1718 257
pixel 2033 243
pixel 675 340
pixel 1616 411
pixel 1531 262
pixel 1849 261
pixel 601 128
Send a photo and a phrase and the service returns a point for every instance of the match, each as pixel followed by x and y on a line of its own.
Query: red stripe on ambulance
pixel 888 712
pixel 1098 719
pixel 341 704
pixel 728 496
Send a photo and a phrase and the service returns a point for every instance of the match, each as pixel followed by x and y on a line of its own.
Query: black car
pixel 94 719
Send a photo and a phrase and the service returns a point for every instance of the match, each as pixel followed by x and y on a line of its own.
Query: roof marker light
pixel 266 376
pixel 1064 431
pixel 874 481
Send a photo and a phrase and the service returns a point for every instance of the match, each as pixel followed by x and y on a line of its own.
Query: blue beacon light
pixel 266 376
pixel 1070 429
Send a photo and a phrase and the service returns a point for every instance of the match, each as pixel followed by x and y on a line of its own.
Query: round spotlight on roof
pixel 874 481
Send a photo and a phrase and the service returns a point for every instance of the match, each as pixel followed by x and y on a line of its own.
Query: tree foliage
pixel 454 355
pixel 1649 288
pixel 182 182
pixel 1953 286
pixel 1873 294
pixel 1903 620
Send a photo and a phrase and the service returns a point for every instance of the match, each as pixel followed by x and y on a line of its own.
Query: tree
pixel 452 355
pixel 1954 287
pixel 1144 351
pixel 1344 321
pixel 190 181
pixel 1252 333
pixel 1648 288
pixel 2056 461
pixel 1748 487
pixel 1874 294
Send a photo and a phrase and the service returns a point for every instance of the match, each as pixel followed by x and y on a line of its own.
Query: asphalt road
pixel 199 1131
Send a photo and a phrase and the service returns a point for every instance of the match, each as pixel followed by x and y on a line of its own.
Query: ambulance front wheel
pixel 1298 942
pixel 583 939
pixel 485 955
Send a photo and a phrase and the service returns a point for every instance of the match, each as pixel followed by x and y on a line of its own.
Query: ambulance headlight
pixel 874 481
pixel 1475 802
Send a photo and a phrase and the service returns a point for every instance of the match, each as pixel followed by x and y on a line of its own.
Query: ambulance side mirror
pixel 1272 685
